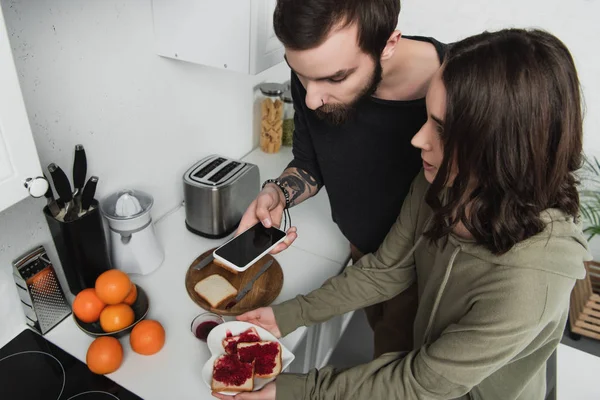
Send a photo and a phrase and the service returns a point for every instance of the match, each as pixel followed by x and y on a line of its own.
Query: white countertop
pixel 576 373
pixel 175 372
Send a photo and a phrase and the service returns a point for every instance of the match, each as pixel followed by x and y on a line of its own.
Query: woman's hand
pixel 263 317
pixel 266 393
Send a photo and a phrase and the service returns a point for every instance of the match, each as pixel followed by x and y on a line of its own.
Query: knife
pixel 248 286
pixel 52 205
pixel 63 188
pixel 88 193
pixel 204 262
pixel 79 170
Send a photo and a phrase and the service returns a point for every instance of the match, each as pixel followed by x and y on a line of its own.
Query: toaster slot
pixel 214 171
pixel 208 168
pixel 223 172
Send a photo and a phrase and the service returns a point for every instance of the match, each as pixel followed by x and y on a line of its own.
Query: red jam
pixel 204 329
pixel 231 371
pixel 263 355
pixel 247 336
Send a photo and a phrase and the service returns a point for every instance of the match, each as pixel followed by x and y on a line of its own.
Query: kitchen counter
pixel 576 374
pixel 319 253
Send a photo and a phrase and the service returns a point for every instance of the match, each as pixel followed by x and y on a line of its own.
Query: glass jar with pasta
pixel 288 118
pixel 271 117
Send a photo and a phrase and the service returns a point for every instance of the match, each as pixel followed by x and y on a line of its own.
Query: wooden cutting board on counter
pixel 264 291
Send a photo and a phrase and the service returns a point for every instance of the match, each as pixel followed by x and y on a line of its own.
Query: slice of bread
pixel 230 343
pixel 216 290
pixel 232 375
pixel 266 357
pixel 225 267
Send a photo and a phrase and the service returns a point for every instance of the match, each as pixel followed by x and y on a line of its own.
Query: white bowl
pixel 214 341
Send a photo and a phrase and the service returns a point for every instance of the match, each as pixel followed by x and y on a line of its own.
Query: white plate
pixel 214 341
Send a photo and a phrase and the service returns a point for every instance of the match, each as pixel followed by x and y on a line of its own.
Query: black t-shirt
pixel 367 164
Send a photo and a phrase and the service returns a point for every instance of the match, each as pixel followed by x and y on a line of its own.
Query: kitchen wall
pixel 89 75
pixel 575 22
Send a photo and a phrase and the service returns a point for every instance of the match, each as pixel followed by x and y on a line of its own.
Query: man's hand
pixel 266 393
pixel 268 208
pixel 263 317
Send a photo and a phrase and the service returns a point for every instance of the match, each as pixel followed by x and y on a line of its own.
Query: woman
pixel 488 231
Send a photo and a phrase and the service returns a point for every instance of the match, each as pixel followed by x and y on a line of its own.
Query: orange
pixel 132 296
pixel 104 355
pixel 147 337
pixel 113 286
pixel 87 306
pixel 116 317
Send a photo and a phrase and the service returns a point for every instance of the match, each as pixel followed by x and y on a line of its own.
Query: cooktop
pixel 32 368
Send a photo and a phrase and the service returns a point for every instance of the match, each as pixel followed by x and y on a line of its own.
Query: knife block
pixel 81 246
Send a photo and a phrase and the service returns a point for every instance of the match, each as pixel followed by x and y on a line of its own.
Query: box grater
pixel 42 298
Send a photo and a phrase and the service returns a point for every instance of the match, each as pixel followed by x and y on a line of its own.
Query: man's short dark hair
pixel 305 24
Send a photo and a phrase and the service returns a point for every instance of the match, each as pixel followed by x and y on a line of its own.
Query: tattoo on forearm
pixel 308 178
pixel 299 184
pixel 295 187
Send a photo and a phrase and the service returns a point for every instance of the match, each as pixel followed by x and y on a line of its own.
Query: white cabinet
pixel 231 34
pixel 319 343
pixel 328 335
pixel 18 155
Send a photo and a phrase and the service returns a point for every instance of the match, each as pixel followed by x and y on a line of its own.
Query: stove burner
pixel 20 369
pixel 94 395
pixel 33 368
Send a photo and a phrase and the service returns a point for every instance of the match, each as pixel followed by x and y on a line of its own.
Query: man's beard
pixel 339 114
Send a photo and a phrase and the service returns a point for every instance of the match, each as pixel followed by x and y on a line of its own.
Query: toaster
pixel 217 191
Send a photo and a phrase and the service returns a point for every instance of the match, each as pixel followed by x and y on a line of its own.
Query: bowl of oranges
pixel 112 307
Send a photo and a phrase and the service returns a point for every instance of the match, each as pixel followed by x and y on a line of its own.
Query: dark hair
pixel 513 129
pixel 305 24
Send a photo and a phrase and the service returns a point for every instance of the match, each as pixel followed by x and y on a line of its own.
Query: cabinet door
pixel 18 155
pixel 206 32
pixel 328 336
pixel 265 49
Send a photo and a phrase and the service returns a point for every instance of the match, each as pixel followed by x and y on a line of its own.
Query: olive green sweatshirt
pixel 485 325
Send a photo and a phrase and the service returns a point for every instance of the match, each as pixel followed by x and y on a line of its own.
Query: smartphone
pixel 241 252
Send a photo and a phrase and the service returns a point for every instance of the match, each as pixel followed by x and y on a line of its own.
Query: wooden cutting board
pixel 264 291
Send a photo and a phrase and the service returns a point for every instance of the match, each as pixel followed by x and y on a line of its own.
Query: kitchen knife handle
pixel 61 183
pixel 88 193
pixel 79 169
pixel 49 195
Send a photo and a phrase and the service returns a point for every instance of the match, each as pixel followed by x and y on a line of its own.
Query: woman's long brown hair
pixel 513 129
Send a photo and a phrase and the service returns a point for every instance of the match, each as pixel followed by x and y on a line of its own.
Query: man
pixel 358 88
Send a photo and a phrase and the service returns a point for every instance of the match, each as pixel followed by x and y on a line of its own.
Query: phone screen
pixel 247 246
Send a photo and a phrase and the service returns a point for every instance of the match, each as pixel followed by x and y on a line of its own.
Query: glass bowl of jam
pixel 204 323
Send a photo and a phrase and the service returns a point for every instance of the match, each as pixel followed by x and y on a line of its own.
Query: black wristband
pixel 280 186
